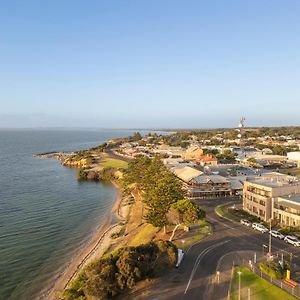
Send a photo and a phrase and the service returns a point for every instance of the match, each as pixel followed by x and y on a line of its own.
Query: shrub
pixel 107 174
pixel 107 277
pixel 272 269
pixel 82 174
pixel 290 230
pixel 101 279
pixel 115 235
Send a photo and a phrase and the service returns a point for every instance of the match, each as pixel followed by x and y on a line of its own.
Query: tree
pixel 136 170
pixel 160 188
pixel 184 211
pixel 136 137
pixel 101 279
pixel 105 278
pixel 252 161
pixel 82 174
pixel 167 190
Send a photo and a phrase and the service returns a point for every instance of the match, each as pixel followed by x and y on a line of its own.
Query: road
pixel 196 277
pixel 113 154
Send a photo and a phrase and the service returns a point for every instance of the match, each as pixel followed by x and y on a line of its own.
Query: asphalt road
pixel 113 154
pixel 196 277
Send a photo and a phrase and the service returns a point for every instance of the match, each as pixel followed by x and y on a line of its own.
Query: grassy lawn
pixel 202 231
pixel 145 235
pixel 222 211
pixel 260 289
pixel 113 163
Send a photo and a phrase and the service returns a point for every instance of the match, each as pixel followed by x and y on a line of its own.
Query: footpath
pixel 220 283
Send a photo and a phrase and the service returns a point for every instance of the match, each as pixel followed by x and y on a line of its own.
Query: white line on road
pixel 223 224
pixel 198 260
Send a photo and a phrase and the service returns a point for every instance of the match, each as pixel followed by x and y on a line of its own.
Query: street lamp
pixel 263 248
pixel 240 273
pixel 270 240
pixel 218 277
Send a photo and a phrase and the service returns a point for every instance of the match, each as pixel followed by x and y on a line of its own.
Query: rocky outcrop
pixel 56 155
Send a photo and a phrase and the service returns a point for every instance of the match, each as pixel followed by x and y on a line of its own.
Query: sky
pixel 149 63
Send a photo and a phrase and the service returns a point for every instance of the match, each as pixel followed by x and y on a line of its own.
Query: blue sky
pixel 158 63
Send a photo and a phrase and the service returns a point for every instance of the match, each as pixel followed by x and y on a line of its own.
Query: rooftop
pixel 186 173
pixel 210 178
pixel 292 198
pixel 274 182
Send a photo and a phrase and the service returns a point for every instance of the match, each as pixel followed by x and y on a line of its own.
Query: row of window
pixel 286 220
pixel 255 210
pixel 287 209
pixel 251 198
pixel 258 191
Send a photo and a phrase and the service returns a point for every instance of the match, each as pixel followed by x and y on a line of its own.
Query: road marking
pixel 198 260
pixel 221 258
pixel 222 224
pixel 255 237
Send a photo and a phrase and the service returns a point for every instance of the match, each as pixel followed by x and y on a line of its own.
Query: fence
pixel 279 283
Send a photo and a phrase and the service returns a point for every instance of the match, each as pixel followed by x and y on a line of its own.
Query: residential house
pixel 192 153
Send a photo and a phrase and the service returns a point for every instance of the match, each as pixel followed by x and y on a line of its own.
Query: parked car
pixel 179 257
pixel 245 222
pixel 259 227
pixel 277 234
pixel 292 240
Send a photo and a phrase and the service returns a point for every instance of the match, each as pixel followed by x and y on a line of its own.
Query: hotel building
pixel 275 197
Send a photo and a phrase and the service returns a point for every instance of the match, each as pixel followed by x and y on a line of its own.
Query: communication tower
pixel 241 133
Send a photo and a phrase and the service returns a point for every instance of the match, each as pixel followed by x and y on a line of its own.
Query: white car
pixel 277 234
pixel 292 240
pixel 245 222
pixel 259 227
pixel 180 257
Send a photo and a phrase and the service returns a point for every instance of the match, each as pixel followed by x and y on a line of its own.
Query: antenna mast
pixel 241 133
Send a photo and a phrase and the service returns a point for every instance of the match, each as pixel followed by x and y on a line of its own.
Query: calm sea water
pixel 45 213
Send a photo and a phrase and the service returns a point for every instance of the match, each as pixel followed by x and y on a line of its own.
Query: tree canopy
pixel 107 277
pixel 184 211
pixel 160 188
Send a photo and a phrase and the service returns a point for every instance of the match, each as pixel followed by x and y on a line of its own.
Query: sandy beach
pixel 98 244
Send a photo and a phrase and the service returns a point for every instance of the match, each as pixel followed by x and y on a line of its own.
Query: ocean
pixel 46 215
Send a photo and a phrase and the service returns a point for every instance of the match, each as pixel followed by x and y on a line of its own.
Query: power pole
pixel 270 239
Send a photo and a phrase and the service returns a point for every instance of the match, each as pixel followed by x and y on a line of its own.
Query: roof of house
pixel 186 173
pixel 292 198
pixel 207 158
pixel 270 157
pixel 290 201
pixel 274 182
pixel 236 185
pixel 193 148
pixel 173 160
pixel 210 178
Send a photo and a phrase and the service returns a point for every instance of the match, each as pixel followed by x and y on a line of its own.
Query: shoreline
pixel 99 242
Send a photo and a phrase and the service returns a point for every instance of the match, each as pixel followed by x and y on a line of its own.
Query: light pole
pixel 240 273
pixel 263 248
pixel 218 277
pixel 270 240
